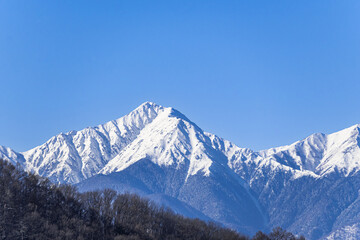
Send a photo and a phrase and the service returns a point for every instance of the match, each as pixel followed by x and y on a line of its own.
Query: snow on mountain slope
pixel 113 146
pixel 157 151
pixel 348 232
pixel 219 196
pixel 126 182
pixel 302 155
pixel 342 153
pixel 174 144
pixel 169 139
pixel 321 154
pixel 11 156
pixel 77 155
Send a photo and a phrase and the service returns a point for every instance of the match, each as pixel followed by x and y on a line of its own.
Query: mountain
pixel 10 155
pixel 310 187
pixel 78 155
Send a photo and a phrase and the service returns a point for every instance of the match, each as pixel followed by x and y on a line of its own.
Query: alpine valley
pixel 311 187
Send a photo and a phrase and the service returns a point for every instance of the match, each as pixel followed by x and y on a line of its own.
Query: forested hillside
pixel 33 208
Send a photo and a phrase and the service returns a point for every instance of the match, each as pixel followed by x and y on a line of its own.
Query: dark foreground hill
pixel 33 208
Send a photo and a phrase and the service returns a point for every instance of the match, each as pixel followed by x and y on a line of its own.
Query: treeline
pixel 32 207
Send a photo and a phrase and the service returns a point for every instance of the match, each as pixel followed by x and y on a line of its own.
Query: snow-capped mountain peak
pixel 320 153
pixel 164 134
pixel 77 155
pixel 158 151
pixel 167 136
pixel 342 153
pixel 170 139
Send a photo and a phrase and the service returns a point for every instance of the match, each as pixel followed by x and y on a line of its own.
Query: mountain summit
pixel 309 187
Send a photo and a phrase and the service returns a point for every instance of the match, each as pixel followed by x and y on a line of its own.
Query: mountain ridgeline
pixel 310 187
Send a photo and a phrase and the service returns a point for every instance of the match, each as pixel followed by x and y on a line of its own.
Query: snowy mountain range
pixel 310 187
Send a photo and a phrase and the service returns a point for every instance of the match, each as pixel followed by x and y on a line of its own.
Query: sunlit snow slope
pixel 159 153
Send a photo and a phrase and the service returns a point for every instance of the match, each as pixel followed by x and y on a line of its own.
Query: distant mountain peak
pixel 89 151
pixel 149 104
pixel 158 150
pixel 146 106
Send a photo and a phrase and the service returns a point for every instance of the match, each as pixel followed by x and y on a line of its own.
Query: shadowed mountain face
pixel 218 197
pixel 309 187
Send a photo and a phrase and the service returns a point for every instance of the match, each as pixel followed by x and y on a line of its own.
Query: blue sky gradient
pixel 258 73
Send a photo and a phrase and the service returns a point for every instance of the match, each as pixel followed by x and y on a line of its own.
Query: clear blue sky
pixel 258 73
